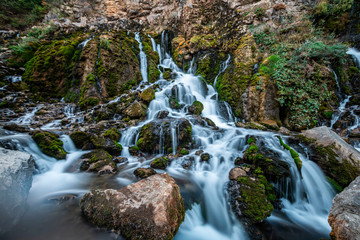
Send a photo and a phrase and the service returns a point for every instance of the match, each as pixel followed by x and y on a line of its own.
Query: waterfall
pixel 208 214
pixel 223 67
pixel 143 60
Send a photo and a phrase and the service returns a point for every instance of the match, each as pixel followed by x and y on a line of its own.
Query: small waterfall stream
pixel 203 186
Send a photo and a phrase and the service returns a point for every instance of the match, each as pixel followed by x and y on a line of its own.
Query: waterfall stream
pixel 203 186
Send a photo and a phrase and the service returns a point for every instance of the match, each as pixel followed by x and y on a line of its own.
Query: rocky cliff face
pixel 16 170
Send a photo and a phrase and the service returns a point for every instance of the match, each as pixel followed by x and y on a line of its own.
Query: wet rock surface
pixel 16 170
pixel 337 158
pixel 344 214
pixel 149 209
pixel 151 133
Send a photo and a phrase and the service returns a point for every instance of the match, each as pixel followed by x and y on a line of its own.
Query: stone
pixel 150 134
pixel 50 144
pixel 147 95
pixel 136 110
pixel 355 133
pixel 16 128
pixel 205 157
pixel 149 209
pixel 339 160
pixel 196 108
pixel 144 172
pixel 16 170
pixel 344 216
pixel 98 161
pixel 236 172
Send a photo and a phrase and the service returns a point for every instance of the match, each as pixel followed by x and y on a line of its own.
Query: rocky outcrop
pixel 149 209
pixel 344 217
pixel 339 160
pixel 151 133
pixel 16 170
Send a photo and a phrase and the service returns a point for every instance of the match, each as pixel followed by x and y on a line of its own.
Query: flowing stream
pixel 203 186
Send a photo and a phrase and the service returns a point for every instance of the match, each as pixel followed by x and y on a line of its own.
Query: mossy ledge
pixel 293 153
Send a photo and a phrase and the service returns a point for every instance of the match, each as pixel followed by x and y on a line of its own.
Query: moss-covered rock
pixel 253 197
pixel 136 110
pixel 147 95
pixel 151 133
pixel 50 144
pixel 98 160
pixel 112 134
pixel 80 139
pixel 159 163
pixel 196 108
pixel 144 172
pixel 338 160
pixel 232 84
pixel 107 143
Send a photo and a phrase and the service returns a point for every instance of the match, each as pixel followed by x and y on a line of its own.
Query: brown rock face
pixel 344 217
pixel 149 209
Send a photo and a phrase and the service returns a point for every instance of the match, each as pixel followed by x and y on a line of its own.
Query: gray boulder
pixel 344 217
pixel 16 170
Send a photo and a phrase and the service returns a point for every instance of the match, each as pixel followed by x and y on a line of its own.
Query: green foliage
pixel 159 163
pixel 260 12
pixel 105 43
pixel 293 153
pixel 251 140
pixel 23 13
pixel 184 151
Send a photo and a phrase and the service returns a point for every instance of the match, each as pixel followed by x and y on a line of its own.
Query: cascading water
pixel 223 67
pixel 203 185
pixel 143 60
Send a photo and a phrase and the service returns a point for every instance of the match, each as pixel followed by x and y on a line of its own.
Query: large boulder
pixel 157 135
pixel 344 217
pixel 16 170
pixel 339 160
pixel 149 209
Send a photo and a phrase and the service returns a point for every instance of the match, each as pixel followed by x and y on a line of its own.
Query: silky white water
pixel 203 186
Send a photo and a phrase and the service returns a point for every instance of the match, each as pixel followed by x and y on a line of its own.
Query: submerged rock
pixel 50 144
pixel 16 170
pixel 149 209
pixel 339 160
pixel 344 217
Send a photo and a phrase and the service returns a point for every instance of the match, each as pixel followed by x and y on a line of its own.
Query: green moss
pixel 293 153
pixel 50 144
pixel 251 140
pixel 335 185
pixel 159 163
pixel 253 195
pixel 113 134
pixel 197 108
pixel 184 151
pixel 80 138
pixel 252 149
